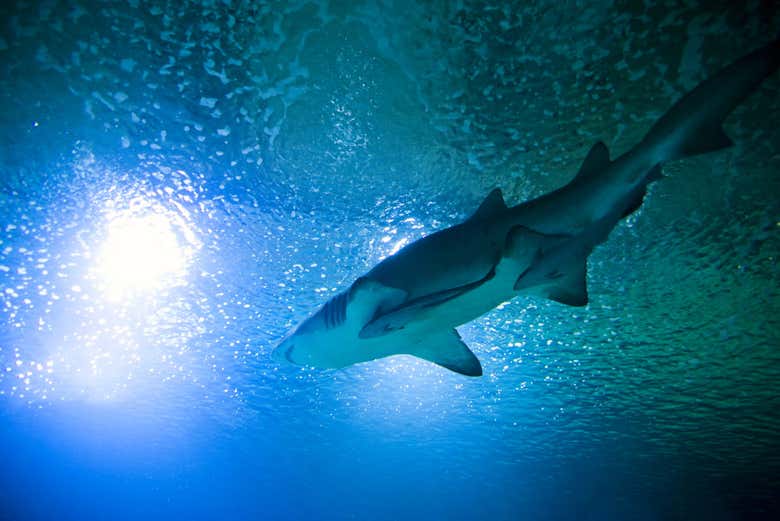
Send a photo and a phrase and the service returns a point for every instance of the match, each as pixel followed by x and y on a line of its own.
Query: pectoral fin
pixel 367 297
pixel 449 351
pixel 384 323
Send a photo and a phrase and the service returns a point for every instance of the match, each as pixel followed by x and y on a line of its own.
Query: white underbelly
pixel 471 304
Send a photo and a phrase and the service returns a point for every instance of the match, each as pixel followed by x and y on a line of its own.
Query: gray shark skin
pixel 411 302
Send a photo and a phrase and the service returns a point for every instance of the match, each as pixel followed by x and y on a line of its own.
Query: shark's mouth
pixel 287 352
pixel 283 352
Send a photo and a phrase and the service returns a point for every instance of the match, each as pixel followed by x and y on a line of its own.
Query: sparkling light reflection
pixel 140 254
pixel 128 335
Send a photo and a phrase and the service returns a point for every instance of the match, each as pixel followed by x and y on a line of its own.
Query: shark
pixel 412 302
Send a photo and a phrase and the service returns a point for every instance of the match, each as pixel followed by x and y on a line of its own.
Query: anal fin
pixel 449 351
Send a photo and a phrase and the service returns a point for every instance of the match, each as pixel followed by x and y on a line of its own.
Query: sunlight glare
pixel 140 254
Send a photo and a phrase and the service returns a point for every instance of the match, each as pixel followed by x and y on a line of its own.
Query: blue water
pixel 183 182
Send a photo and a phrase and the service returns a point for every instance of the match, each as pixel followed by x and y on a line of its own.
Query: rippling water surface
pixel 182 182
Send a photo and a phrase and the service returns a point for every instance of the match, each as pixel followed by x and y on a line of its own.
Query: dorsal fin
pixel 596 161
pixel 492 205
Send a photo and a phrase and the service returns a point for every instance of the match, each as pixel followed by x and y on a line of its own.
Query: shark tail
pixel 694 124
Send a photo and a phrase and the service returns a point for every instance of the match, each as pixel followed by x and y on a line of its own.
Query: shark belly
pixel 471 304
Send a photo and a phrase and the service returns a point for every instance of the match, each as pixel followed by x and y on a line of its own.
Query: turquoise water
pixel 182 182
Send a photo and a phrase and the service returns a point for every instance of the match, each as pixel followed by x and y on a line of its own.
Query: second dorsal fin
pixel 596 161
pixel 492 205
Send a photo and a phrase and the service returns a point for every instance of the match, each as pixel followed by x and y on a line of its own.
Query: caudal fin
pixel 694 124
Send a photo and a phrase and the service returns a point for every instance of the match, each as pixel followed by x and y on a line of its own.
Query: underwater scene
pixel 237 238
